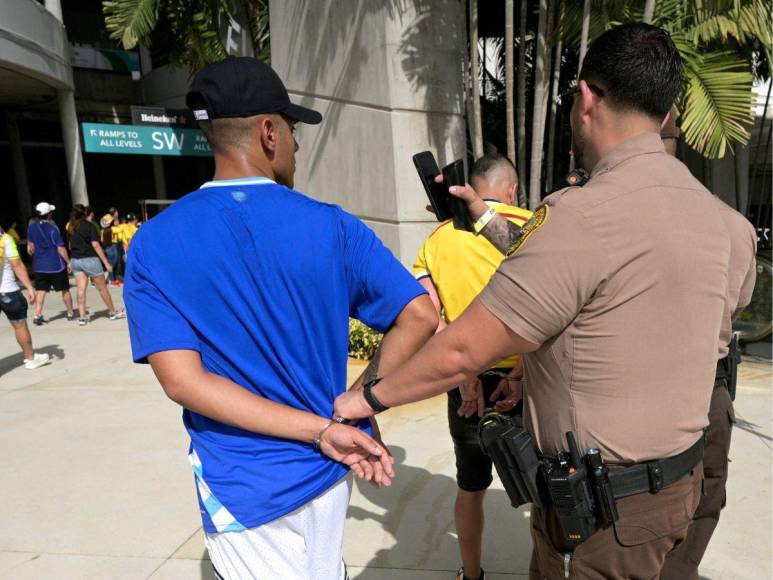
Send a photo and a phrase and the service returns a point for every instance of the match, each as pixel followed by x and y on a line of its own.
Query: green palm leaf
pixel 130 21
pixel 717 101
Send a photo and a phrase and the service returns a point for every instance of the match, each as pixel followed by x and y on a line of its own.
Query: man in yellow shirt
pixel 454 266
pixel 127 231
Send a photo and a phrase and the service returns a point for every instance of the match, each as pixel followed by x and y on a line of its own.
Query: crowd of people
pixel 90 250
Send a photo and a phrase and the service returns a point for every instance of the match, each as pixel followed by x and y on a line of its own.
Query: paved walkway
pixel 95 481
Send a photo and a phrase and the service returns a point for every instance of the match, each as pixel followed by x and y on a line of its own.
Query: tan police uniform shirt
pixel 742 270
pixel 623 286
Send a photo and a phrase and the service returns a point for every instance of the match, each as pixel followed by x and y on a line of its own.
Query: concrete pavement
pixel 96 484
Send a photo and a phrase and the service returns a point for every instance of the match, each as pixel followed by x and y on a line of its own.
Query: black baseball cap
pixel 242 87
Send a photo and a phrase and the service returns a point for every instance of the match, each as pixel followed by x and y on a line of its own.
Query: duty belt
pixel 583 490
pixel 652 476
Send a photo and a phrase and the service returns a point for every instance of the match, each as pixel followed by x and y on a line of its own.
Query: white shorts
pixel 306 544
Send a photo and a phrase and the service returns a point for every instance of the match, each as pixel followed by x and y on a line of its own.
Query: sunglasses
pixel 574 88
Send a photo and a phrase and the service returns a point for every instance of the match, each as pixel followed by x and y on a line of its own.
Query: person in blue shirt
pixel 51 261
pixel 245 324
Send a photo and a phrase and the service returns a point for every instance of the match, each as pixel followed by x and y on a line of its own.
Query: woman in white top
pixel 12 302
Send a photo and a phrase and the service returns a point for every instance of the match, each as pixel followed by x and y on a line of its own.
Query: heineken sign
pixel 144 140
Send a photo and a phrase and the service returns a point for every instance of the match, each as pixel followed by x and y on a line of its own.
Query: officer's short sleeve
pixel 747 287
pixel 541 288
pixel 379 286
pixel 155 325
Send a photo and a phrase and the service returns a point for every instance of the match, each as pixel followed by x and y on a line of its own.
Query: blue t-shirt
pixel 47 239
pixel 260 280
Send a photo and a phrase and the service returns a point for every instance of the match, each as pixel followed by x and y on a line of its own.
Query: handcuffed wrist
pixel 317 441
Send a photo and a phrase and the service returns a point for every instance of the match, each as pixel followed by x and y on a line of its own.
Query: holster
pixel 513 454
pixel 727 368
pixel 580 488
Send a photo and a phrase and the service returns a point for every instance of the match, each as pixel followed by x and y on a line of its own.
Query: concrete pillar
pixel 159 177
pixel 72 147
pixel 146 62
pixel 386 77
pixel 55 8
pixel 19 167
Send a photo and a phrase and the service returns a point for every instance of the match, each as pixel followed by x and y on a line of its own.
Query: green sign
pixel 144 140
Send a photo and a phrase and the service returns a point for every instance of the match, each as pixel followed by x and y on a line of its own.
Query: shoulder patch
pixel 535 222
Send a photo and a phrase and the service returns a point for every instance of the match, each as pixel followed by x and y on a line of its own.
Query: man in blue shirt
pixel 245 323
pixel 52 264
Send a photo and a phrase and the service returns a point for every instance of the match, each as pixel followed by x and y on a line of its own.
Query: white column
pixel 55 8
pixel 76 176
pixel 19 167
pixel 388 84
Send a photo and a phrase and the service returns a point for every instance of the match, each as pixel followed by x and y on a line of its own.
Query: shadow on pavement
pixel 420 518
pixel 207 570
pixel 9 363
pixel 752 428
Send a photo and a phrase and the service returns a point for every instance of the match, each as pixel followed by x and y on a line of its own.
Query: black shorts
pixel 14 305
pixel 58 281
pixel 473 467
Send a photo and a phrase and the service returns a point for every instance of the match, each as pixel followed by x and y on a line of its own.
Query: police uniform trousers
pixel 682 563
pixel 650 526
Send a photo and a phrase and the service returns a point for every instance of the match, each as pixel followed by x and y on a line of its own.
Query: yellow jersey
pixel 15 235
pixel 461 264
pixel 127 232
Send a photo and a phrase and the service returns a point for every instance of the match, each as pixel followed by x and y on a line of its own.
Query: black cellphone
pixel 444 205
pixel 436 193
pixel 453 174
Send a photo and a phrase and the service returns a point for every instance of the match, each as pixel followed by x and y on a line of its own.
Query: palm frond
pixel 716 104
pixel 744 25
pixel 130 21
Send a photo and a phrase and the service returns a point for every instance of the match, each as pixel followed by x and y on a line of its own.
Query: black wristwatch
pixel 370 398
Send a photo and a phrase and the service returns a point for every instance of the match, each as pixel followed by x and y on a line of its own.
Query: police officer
pixel 616 291
pixel 683 562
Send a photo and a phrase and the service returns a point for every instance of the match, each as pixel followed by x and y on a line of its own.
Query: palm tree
pixel 553 113
pixel 541 85
pixel 476 130
pixel 584 34
pixel 509 96
pixel 189 28
pixel 649 11
pixel 522 103
pixel 719 41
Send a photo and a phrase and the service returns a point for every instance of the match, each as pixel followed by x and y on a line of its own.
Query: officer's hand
pixel 352 405
pixel 507 394
pixel 367 459
pixel 473 400
pixel 465 192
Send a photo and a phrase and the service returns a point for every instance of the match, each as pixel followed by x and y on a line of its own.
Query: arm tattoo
pixel 371 373
pixel 502 233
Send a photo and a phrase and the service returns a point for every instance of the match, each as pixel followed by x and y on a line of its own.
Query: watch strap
pixel 370 397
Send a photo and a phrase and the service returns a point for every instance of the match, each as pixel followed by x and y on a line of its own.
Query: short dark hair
pixel 228 132
pixel 489 161
pixel 638 67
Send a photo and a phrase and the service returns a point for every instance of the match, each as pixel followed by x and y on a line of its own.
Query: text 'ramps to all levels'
pixel 144 140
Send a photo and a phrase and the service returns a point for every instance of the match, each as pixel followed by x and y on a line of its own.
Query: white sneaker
pixel 38 360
